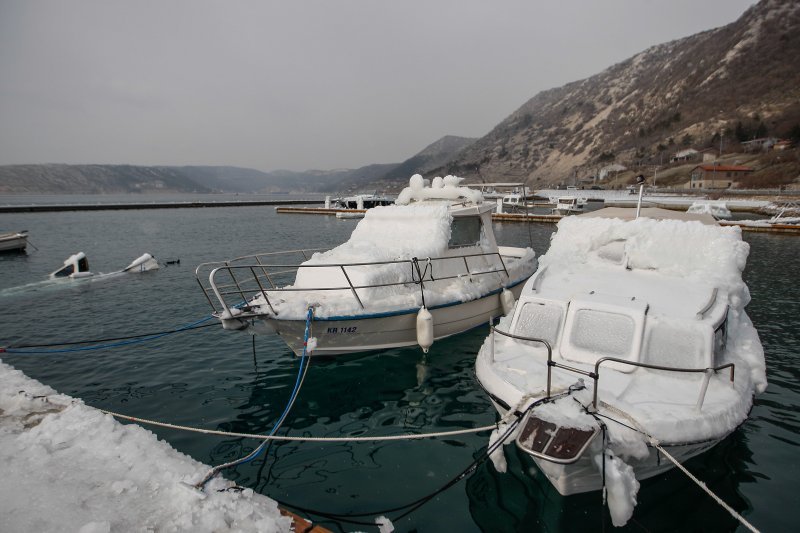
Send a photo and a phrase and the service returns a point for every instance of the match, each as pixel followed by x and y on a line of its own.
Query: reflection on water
pixel 210 378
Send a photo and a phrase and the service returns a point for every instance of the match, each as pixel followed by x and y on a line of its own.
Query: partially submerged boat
pixel 411 273
pixel 76 266
pixel 15 241
pixel 625 339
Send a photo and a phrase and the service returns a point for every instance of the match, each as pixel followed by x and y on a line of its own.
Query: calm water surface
pixel 214 379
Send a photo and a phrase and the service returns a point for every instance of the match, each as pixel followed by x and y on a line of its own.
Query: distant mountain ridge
pixel 109 179
pixel 702 90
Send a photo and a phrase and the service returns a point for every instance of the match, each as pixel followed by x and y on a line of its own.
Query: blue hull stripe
pixel 412 310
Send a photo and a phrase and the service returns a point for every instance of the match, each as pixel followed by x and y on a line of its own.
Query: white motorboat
pixel 15 241
pixel 363 201
pixel 626 339
pixel 568 205
pixel 423 269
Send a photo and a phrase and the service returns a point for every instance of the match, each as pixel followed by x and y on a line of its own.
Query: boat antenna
pixel 640 182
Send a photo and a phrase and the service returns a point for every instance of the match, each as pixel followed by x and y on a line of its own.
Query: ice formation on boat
pixel 612 296
pixel 435 249
pixel 70 467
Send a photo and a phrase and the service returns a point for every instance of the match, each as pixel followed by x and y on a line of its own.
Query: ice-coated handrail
pixel 244 288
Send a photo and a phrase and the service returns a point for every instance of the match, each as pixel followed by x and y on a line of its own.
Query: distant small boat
pixel 363 201
pixel 350 214
pixel 568 205
pixel 13 241
pixel 718 210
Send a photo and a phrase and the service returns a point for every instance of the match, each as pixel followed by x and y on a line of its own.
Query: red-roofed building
pixel 712 176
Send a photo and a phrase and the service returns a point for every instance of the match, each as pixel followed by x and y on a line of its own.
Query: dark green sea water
pixel 213 378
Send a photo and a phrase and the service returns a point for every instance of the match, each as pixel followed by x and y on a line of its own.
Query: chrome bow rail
pixel 235 283
pixel 596 374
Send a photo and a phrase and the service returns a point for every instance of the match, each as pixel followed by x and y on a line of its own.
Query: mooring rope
pixel 259 436
pixel 301 376
pixel 657 445
pixel 703 486
pixel 24 349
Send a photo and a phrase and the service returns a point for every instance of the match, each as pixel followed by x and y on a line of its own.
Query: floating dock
pixel 42 208
pixel 787 229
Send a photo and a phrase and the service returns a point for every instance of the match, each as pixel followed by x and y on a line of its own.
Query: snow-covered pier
pixel 97 475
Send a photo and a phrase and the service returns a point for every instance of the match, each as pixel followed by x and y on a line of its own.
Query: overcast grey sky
pixel 299 84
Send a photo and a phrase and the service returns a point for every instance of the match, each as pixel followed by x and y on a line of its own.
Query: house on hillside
pixel 717 176
pixel 684 155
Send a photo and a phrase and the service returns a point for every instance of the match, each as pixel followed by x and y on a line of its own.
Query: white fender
pixel 507 301
pixel 424 329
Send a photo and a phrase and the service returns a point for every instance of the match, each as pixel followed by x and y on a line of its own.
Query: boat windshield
pixel 675 345
pixel 539 321
pixel 604 333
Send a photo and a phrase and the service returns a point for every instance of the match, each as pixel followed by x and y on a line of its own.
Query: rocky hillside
pixel 711 89
pixel 95 179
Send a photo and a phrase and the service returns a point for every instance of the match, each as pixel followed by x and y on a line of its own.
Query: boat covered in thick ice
pixel 425 268
pixel 631 334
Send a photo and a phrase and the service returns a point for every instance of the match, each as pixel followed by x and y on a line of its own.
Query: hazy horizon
pixel 298 85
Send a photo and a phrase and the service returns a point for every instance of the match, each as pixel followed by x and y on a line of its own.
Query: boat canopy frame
pixel 595 375
pixel 258 278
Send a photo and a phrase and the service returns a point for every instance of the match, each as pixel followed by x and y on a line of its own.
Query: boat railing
pixel 708 372
pixel 234 285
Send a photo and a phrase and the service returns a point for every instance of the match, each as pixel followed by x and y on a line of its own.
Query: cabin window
pixel 606 334
pixel 465 231
pixel 66 271
pixel 539 321
pixel 674 345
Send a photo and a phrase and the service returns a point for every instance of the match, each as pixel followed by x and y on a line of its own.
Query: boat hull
pixel 340 335
pixel 584 475
pixel 13 242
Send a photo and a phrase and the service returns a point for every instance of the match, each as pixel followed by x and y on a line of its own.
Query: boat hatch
pixel 550 442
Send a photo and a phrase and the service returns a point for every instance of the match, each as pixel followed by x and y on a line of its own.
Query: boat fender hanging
pixel 507 301
pixel 424 329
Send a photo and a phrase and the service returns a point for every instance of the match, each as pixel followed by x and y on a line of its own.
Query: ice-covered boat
pixel 718 210
pixel 423 269
pixel 631 334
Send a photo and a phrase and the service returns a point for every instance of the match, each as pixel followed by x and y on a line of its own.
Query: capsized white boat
pixel 630 330
pixel 423 269
pixel 77 266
